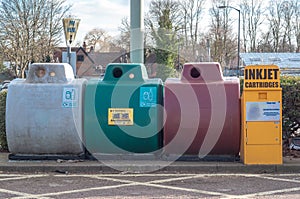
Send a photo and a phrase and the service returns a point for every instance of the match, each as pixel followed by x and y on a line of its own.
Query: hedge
pixel 3 142
pixel 290 106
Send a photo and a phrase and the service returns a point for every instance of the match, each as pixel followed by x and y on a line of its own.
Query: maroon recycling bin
pixel 202 112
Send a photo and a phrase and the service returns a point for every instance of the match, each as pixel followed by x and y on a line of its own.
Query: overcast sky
pixel 104 14
pixel 107 15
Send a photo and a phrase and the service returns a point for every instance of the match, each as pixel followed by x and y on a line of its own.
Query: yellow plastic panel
pixel 263 154
pixel 263 133
pixel 270 95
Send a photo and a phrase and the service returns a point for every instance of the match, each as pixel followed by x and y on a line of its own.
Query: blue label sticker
pixel 70 97
pixel 148 96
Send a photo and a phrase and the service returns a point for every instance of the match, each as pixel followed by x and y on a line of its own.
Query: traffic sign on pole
pixel 70 28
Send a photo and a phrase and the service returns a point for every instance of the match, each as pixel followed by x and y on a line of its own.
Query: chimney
pixel 84 45
pixel 92 49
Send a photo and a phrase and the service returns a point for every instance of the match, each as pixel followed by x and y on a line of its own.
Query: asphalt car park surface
pixel 156 185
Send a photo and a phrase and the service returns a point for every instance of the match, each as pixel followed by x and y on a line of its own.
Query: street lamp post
pixel 239 22
pixel 178 51
pixel 208 49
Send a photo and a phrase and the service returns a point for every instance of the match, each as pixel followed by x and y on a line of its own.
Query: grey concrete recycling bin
pixel 44 112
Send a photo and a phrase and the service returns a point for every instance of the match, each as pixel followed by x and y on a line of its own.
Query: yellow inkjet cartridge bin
pixel 261 105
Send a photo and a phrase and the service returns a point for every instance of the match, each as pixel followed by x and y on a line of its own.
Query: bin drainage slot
pixel 195 73
pixel 117 72
pixel 40 72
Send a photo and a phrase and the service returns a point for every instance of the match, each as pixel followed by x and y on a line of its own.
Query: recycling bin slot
pixel 195 73
pixel 117 72
pixel 44 112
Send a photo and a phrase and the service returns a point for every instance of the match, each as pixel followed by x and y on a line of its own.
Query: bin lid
pixel 132 72
pixel 50 73
pixel 202 72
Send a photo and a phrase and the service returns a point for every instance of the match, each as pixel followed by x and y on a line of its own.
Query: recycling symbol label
pixel 70 97
pixel 148 97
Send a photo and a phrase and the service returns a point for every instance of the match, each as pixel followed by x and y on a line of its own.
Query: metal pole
pixel 208 49
pixel 238 62
pixel 178 56
pixel 137 31
pixel 239 30
pixel 69 54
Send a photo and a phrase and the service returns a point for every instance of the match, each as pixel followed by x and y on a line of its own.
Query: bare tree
pixel 124 40
pixel 252 17
pixel 288 14
pixel 224 45
pixel 295 5
pixel 275 23
pixel 296 23
pixel 99 40
pixel 29 30
pixel 192 12
pixel 280 32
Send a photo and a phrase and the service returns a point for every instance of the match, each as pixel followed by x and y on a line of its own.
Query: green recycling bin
pixel 123 111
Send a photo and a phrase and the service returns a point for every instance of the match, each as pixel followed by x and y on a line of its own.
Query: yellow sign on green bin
pixel 120 116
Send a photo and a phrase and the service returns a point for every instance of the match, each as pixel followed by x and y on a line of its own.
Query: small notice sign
pixel 262 111
pixel 148 96
pixel 70 97
pixel 120 116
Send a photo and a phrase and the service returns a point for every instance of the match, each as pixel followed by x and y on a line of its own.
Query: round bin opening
pixel 40 72
pixel 195 73
pixel 117 72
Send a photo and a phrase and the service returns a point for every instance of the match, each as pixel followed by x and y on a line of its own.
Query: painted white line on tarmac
pixel 79 190
pixel 154 183
pixel 279 179
pixel 19 177
pixel 188 190
pixel 124 175
pixel 265 193
pixel 127 183
pixel 150 184
pixel 10 175
pixel 283 174
pixel 22 177
pixel 175 179
pixel 156 175
pixel 20 194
